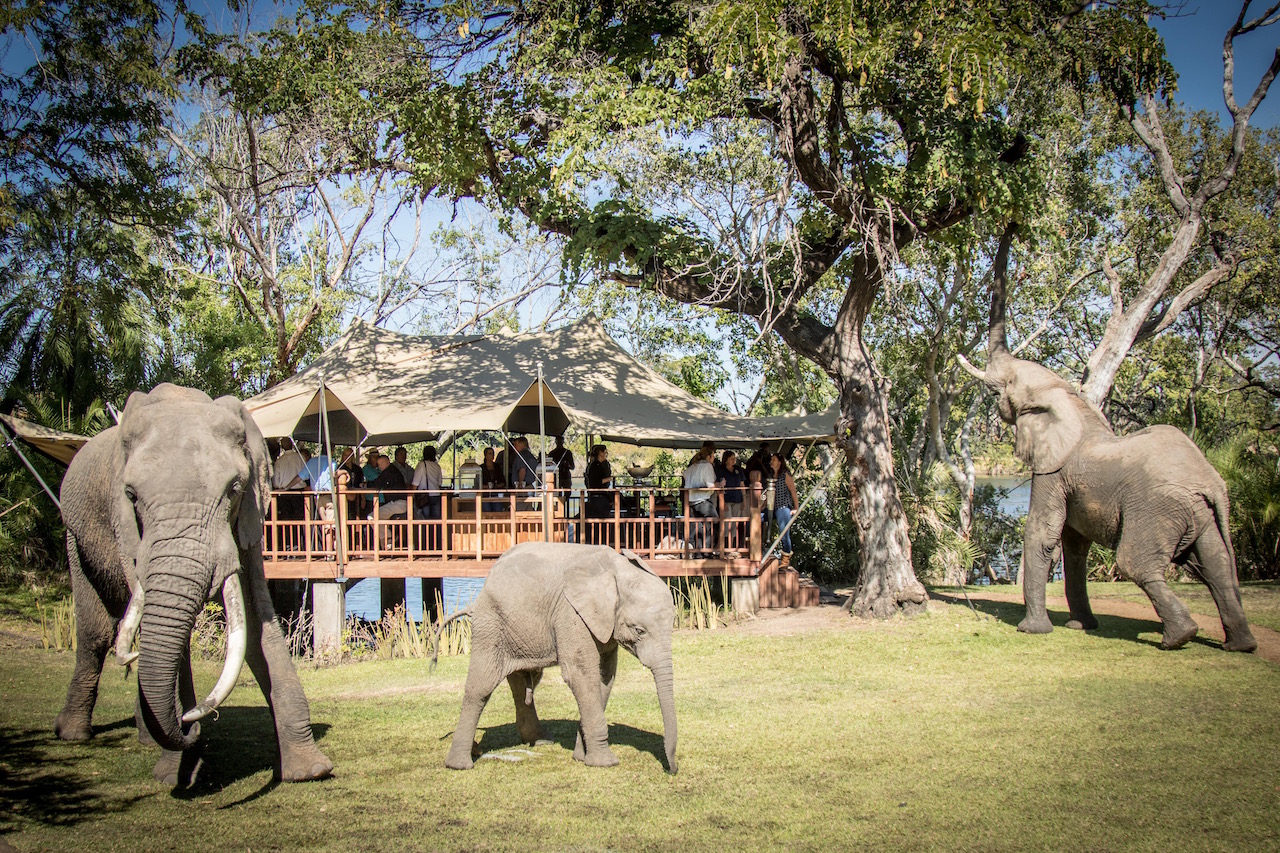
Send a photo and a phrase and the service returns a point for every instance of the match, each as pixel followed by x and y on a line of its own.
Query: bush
pixel 1252 472
pixel 824 539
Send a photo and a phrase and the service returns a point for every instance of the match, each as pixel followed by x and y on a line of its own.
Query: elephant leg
pixel 1045 522
pixel 1075 570
pixel 1213 564
pixel 267 654
pixel 1144 554
pixel 483 676
pixel 95 631
pixel 522 686
pixel 608 670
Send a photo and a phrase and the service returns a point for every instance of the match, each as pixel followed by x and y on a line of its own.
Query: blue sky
pixel 1193 41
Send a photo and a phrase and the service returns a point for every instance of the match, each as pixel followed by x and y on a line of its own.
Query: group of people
pixel 717 489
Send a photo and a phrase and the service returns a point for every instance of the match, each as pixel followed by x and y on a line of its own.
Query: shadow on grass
pixel 1112 627
pixel 565 733
pixel 41 781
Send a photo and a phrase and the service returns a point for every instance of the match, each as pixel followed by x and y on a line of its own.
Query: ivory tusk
pixel 237 642
pixel 968 366
pixel 128 628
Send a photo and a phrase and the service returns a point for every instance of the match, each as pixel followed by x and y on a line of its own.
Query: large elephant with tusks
pixel 165 512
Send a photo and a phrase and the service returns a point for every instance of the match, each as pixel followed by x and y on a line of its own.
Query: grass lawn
pixel 945 732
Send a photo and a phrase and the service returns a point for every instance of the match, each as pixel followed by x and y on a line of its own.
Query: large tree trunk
pixel 887 582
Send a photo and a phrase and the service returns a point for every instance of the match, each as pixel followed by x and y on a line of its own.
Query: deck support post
pixel 329 612
pixel 745 594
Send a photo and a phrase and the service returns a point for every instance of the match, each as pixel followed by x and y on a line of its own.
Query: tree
pixel 891 124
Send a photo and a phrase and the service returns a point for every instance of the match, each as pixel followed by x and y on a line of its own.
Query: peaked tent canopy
pixel 55 444
pixel 410 387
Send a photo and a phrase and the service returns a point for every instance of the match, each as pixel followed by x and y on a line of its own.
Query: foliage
pixel 941 555
pixel 1251 468
pixel 58 626
pixel 996 535
pixel 696 604
pixel 824 542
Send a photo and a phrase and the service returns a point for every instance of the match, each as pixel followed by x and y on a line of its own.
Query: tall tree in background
pixel 82 184
pixel 891 124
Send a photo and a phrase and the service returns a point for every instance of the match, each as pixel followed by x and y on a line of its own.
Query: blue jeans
pixel 782 515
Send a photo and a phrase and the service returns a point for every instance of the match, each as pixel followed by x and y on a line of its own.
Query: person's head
pixel 559 441
pixel 402 455
pixel 599 453
pixel 383 461
pixel 489 454
pixel 520 443
pixel 428 454
pixel 305 453
pixel 777 464
pixel 371 457
pixel 286 444
pixel 708 449
pixel 730 459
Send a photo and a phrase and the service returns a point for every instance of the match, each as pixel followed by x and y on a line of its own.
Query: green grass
pixel 1261 598
pixel 945 732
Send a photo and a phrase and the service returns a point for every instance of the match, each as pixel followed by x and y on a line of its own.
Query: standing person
pixel 599 481
pixel 317 476
pixel 401 461
pixel 562 458
pixel 700 481
pixel 429 479
pixel 781 486
pixel 358 506
pixel 523 471
pixel 733 499
pixel 755 466
pixel 491 478
pixel 286 467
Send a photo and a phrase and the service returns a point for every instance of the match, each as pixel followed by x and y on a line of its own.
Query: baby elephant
pixel 548 603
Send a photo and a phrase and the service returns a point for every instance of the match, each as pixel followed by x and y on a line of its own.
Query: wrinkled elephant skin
pixel 547 604
pixel 165 511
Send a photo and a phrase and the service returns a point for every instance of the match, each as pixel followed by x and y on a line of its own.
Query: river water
pixel 364 600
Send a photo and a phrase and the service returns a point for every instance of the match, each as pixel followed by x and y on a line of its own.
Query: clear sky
pixel 1193 39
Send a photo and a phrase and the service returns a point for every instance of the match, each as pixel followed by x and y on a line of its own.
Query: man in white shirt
pixel 402 464
pixel 700 480
pixel 428 479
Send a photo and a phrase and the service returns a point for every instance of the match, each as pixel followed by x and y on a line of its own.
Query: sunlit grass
pixel 947 732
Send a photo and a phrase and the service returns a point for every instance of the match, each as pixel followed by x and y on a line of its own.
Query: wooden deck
pixel 474 529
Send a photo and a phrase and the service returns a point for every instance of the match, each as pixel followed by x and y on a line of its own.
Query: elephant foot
pixel 73 727
pixel 459 760
pixel 1035 625
pixel 601 758
pixel 534 736
pixel 178 769
pixel 1177 636
pixel 1240 643
pixel 1086 624
pixel 305 765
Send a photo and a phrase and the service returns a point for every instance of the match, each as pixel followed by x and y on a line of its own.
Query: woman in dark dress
pixel 599 481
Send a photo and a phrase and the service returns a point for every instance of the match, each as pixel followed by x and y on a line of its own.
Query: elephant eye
pixel 130 494
pixel 639 630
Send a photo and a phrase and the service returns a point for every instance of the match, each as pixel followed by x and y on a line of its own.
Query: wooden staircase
pixel 783 587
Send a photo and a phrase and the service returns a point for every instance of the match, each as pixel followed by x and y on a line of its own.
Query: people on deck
pixel 316 475
pixel 755 466
pixel 599 482
pixel 428 479
pixel 370 468
pixel 733 500
pixel 523 470
pixel 391 489
pixel 284 469
pixel 401 461
pixel 358 505
pixel 781 501
pixel 491 477
pixel 700 482
pixel 562 458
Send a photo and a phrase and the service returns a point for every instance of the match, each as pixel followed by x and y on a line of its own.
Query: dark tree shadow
pixel 1112 627
pixel 565 733
pixel 240 743
pixel 38 785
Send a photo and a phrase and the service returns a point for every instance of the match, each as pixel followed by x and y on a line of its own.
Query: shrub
pixel 1252 473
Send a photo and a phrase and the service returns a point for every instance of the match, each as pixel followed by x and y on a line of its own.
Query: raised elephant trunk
pixel 662 680
pixel 998 355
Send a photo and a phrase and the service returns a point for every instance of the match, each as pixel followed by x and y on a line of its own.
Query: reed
pixel 58 625
pixel 696 606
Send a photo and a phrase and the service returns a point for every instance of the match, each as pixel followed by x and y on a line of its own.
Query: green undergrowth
pixel 949 731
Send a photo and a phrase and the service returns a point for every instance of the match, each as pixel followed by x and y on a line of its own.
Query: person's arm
pixel 791 487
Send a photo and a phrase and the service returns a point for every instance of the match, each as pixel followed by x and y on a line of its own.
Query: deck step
pixel 783 587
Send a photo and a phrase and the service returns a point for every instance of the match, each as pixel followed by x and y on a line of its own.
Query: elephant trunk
pixel 662 679
pixel 173 599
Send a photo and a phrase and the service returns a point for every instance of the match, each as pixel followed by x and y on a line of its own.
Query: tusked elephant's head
pixel 619 598
pixel 1050 417
pixel 194 481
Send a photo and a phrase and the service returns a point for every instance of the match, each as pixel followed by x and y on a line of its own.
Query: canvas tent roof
pixel 55 444
pixel 408 387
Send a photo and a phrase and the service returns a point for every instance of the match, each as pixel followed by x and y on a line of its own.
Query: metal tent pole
pixel 542 465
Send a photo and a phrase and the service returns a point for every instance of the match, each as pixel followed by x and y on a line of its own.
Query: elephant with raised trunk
pixel 164 512
pixel 574 605
pixel 1151 496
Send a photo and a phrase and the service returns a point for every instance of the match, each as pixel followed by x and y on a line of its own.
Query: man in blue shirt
pixel 317 476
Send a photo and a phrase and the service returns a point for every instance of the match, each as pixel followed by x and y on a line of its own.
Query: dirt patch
pixel 797 620
pixel 1210 626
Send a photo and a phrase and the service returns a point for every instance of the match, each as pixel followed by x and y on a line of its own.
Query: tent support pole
pixel 11 442
pixel 542 465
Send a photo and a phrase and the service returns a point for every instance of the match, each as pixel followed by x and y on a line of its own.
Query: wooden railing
pixel 474 527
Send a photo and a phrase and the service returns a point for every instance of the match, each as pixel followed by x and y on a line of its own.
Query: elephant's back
pixel 86 493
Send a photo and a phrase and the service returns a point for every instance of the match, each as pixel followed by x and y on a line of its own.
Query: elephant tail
pixel 439 629
pixel 1221 506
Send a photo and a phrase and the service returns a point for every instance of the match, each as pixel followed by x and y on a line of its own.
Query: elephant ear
pixel 1049 430
pixel 257 491
pixel 592 590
